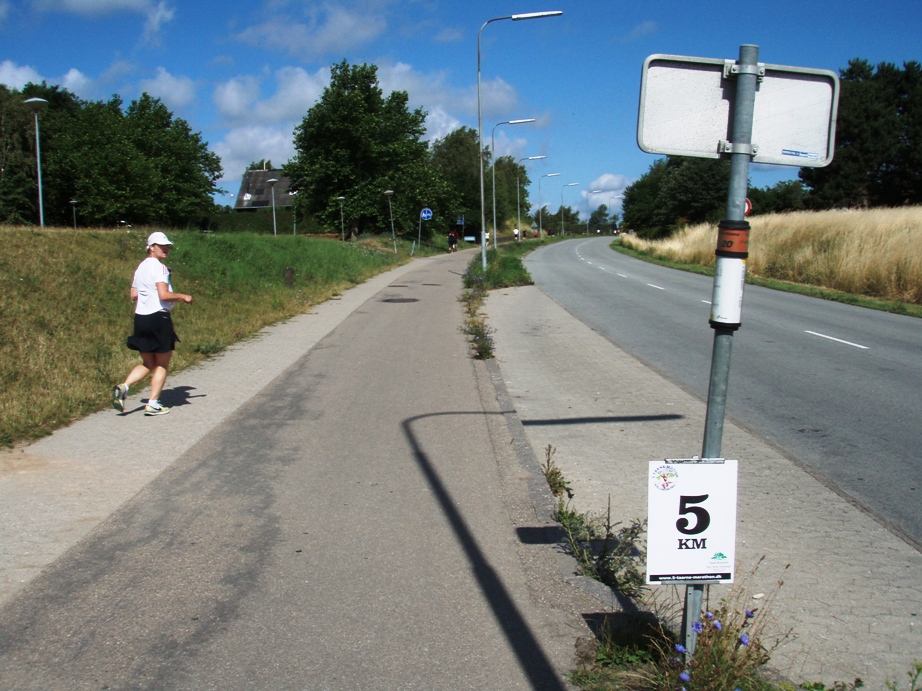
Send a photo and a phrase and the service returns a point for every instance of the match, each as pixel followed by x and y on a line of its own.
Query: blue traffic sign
pixel 425 214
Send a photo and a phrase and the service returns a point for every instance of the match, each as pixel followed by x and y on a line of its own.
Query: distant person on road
pixel 453 240
pixel 154 337
pixel 515 232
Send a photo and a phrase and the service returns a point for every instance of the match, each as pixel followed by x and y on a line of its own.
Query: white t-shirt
pixel 149 273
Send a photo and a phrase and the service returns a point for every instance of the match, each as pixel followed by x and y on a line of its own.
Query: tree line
pixel 877 161
pixel 137 165
pixel 143 165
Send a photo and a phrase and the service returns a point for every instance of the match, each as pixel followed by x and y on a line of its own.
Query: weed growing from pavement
pixel 503 270
pixel 554 476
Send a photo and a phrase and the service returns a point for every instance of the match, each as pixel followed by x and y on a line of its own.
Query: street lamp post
pixel 493 154
pixel 272 182
pixel 569 184
pixel 589 194
pixel 388 193
pixel 342 219
pixel 518 189
pixel 483 210
pixel 540 205
pixel 37 105
pixel 611 204
pixel 73 206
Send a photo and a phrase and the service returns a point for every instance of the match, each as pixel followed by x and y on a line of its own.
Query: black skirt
pixel 153 333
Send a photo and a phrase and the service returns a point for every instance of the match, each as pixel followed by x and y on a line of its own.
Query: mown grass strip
pixel 65 312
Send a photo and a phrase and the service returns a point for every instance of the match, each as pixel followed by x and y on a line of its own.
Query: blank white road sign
pixel 691 521
pixel 686 102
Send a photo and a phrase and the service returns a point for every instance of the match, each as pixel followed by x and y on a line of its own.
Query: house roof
pixel 256 192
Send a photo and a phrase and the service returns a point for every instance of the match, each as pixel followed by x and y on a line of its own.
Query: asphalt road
pixel 836 387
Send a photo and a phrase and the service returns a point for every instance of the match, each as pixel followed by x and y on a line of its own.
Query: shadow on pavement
pixel 531 657
pixel 596 420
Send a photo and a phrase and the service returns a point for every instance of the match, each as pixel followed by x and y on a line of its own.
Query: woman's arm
pixel 167 296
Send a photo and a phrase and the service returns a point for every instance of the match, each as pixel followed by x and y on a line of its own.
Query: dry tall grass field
pixel 876 252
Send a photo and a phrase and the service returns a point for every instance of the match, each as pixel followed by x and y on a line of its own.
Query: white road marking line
pixel 837 340
pixel 707 302
pixel 622 275
pixel 657 287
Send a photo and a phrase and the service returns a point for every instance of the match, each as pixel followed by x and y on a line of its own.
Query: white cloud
pixel 157 16
pixel 296 90
pixel 235 98
pixel 17 76
pixel 90 7
pixel 325 30
pixel 244 145
pixel 439 124
pixel 175 92
pixel 640 31
pixel 611 185
pixel 77 83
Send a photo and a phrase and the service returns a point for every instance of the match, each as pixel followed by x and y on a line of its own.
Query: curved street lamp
pixel 493 153
pixel 36 105
pixel 569 184
pixel 518 188
pixel 540 206
pixel 342 220
pixel 272 182
pixel 483 210
pixel 388 193
pixel 589 194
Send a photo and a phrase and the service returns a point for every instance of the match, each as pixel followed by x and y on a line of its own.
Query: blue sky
pixel 244 74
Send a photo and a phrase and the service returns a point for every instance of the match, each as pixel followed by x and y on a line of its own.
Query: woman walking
pixel 153 336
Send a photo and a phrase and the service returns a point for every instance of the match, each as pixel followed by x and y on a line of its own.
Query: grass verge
pixel 893 306
pixel 504 269
pixel 65 312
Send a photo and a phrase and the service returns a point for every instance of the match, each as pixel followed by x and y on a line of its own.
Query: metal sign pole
pixel 729 278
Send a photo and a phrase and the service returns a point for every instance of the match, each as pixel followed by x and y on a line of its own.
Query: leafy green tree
pixel 139 166
pixel 878 154
pixel 600 219
pixel 454 157
pixel 787 195
pixel 676 191
pixel 356 143
pixel 571 223
pixel 18 189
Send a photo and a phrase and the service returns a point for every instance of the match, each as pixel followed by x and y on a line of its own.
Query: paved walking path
pixel 853 592
pixel 333 505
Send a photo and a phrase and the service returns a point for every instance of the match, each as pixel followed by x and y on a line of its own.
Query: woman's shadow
pixel 178 396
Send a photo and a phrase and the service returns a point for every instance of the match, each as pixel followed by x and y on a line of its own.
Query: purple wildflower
pixel 744 639
pixel 697 627
pixel 718 625
pixel 685 676
pixel 750 614
pixel 679 648
pixel 708 615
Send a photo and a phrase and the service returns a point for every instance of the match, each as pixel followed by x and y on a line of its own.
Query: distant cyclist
pixel 453 240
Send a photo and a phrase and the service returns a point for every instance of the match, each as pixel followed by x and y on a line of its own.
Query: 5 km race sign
pixel 691 525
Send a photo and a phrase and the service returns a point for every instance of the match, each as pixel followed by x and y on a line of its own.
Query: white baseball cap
pixel 158 238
